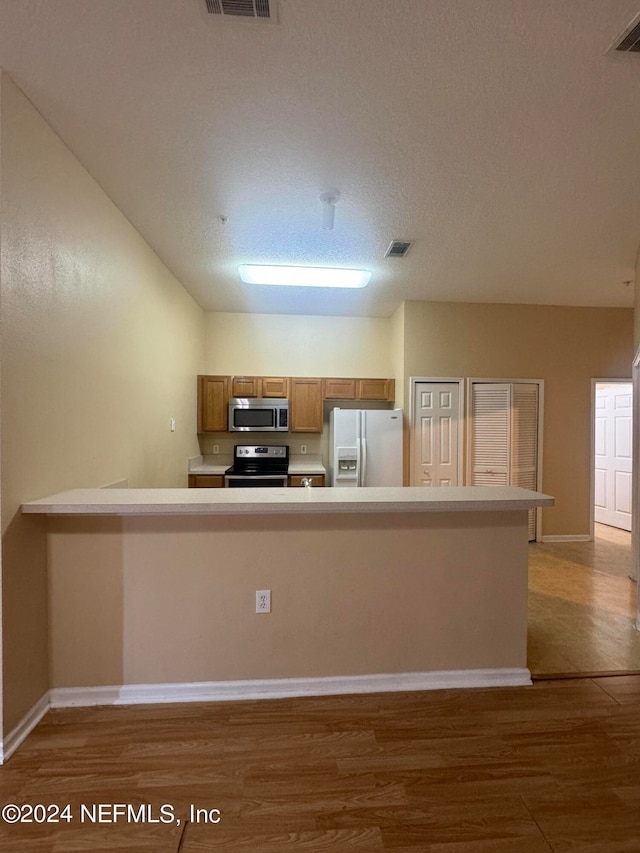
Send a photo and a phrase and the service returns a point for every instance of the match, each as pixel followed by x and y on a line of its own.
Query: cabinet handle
pixel 307 482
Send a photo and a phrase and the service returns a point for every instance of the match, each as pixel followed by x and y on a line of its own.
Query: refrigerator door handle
pixel 362 429
pixel 363 475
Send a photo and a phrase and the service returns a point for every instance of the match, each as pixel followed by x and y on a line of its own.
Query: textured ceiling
pixel 497 134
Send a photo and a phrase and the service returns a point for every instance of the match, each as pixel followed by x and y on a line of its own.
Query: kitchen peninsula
pixel 152 592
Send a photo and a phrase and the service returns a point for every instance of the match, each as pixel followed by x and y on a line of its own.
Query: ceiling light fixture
pixel 328 201
pixel 303 276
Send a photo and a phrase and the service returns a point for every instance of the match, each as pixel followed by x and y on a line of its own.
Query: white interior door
pixel 613 454
pixel 436 413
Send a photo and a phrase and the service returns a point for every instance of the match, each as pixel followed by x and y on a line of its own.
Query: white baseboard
pixel 24 728
pixel 273 688
pixel 281 688
pixel 577 537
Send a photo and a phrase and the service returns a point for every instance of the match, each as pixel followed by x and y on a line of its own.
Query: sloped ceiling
pixel 499 135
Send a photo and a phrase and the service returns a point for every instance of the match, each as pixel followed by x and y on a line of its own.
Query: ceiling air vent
pixel 398 248
pixel 243 10
pixel 629 41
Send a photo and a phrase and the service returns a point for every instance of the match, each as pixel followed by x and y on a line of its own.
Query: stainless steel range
pixel 258 465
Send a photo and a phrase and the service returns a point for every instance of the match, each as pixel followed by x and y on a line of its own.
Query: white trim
pixel 459 380
pixel 276 688
pixel 281 688
pixel 635 478
pixel 571 537
pixel 540 384
pixel 24 728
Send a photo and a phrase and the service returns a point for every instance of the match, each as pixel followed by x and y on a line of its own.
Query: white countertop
pixel 247 501
pixel 298 464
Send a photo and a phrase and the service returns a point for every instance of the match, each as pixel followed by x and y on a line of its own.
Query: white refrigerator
pixel 365 447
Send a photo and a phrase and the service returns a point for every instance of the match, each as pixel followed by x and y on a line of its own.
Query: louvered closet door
pixel 524 442
pixel 490 406
pixel 504 437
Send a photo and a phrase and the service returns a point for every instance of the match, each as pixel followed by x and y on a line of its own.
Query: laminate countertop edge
pixel 388 499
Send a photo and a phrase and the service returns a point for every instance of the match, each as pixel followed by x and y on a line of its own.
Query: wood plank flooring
pixel 552 767
pixel 582 606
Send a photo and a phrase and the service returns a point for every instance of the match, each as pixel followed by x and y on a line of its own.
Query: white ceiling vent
pixel 398 248
pixel 629 41
pixel 263 11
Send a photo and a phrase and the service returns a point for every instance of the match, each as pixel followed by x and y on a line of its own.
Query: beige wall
pixel 462 607
pixel 290 345
pixel 295 345
pixel 564 346
pixel 636 302
pixel 100 348
pixel 397 340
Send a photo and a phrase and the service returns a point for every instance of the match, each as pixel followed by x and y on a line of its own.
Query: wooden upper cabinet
pixel 259 386
pixel 339 389
pixel 375 389
pixel 358 389
pixel 246 386
pixel 275 386
pixel 213 400
pixel 305 395
pixel 305 405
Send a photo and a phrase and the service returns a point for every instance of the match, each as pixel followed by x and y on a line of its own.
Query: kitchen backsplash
pixel 226 440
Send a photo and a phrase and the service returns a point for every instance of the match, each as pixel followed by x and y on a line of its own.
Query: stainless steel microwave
pixel 251 414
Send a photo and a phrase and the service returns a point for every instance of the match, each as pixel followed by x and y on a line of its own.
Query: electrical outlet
pixel 303 449
pixel 263 601
pixel 172 424
pixel 216 448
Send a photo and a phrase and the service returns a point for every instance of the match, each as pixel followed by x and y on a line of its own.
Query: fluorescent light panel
pixel 303 276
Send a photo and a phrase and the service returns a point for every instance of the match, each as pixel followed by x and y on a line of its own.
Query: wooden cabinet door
pixel 246 386
pixel 213 401
pixel 260 386
pixel 275 386
pixel 375 389
pixel 206 481
pixel 306 405
pixel 339 389
pixel 317 480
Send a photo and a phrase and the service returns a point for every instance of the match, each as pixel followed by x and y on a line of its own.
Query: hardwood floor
pixel 553 767
pixel 582 606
